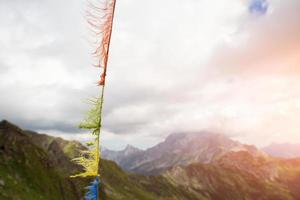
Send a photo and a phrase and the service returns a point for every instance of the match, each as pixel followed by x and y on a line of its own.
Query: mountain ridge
pixel 179 149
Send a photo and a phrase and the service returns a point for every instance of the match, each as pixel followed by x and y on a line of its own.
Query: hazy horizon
pixel 83 140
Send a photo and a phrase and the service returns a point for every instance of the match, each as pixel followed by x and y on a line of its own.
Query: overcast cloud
pixel 174 66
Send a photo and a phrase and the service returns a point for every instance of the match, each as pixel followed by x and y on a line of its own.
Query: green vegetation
pixel 26 172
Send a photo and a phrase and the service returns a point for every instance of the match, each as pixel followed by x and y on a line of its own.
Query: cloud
pixel 174 66
pixel 3 68
pixel 269 44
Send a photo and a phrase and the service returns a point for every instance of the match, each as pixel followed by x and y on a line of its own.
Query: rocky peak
pixel 129 149
pixel 191 143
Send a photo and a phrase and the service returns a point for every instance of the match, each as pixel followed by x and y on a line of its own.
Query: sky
pixel 227 66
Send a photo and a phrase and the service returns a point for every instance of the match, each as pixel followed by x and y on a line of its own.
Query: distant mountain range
pixel 179 149
pixel 283 150
pixel 203 166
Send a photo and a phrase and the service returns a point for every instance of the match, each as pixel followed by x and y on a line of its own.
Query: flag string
pixel 100 19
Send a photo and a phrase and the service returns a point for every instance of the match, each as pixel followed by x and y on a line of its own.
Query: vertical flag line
pixel 100 125
pixel 100 18
pixel 103 86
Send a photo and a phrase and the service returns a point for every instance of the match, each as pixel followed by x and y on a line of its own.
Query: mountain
pixel 178 149
pixel 124 157
pixel 35 166
pixel 283 150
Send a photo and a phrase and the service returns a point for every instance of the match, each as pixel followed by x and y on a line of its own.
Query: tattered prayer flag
pixel 92 193
pixel 100 20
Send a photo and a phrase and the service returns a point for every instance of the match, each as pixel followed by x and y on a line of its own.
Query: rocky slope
pixel 239 175
pixel 178 149
pixel 216 182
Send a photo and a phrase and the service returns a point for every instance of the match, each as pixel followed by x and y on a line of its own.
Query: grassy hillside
pixel 26 171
